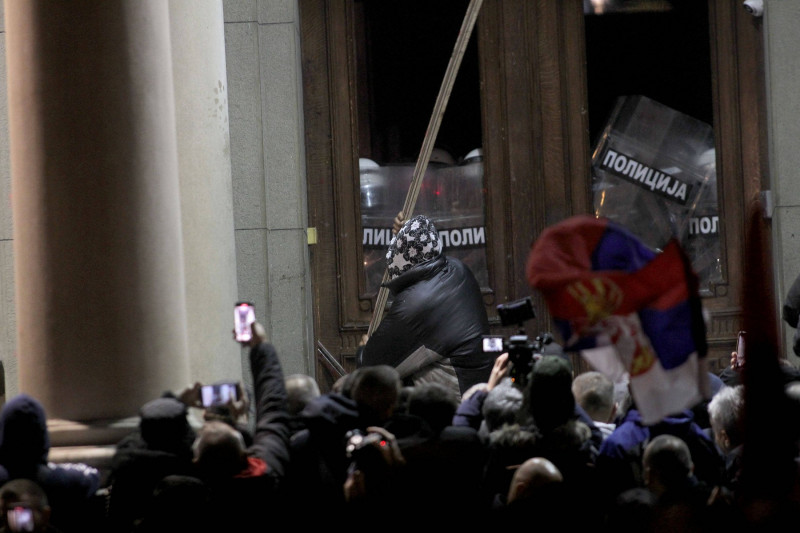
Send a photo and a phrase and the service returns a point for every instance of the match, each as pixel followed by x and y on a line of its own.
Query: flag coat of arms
pixel 631 312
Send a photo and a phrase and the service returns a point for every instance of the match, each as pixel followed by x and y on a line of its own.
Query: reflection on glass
pixel 654 172
pixel 604 7
pixel 451 195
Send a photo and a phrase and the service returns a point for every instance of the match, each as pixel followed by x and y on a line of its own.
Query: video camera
pixel 363 452
pixel 521 350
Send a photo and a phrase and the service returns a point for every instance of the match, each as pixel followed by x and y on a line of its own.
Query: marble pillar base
pixel 92 444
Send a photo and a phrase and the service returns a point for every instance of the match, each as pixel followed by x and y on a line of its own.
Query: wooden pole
pixel 430 138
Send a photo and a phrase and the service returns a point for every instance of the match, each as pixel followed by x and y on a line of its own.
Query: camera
pixel 363 450
pixel 754 7
pixel 522 352
pixel 516 312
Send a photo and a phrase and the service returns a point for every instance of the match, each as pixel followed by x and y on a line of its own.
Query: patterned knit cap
pixel 417 242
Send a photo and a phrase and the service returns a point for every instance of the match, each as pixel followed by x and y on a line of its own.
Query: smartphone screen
pixel 219 393
pixel 243 317
pixel 20 518
pixel 740 347
pixel 493 344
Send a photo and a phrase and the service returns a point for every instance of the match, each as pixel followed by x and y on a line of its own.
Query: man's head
pixel 549 393
pixel 219 450
pixel 502 405
pixel 375 390
pixel 300 389
pixel 417 242
pixel 435 403
pixel 726 416
pixel 24 506
pixel 24 438
pixel 532 476
pixel 667 464
pixel 594 391
pixel 164 425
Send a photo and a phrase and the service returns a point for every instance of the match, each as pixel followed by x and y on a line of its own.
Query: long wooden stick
pixel 430 138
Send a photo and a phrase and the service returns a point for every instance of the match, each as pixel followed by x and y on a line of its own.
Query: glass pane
pixel 399 76
pixel 451 195
pixel 654 172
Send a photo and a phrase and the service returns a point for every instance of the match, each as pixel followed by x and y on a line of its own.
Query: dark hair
pixel 549 393
pixel 434 403
pixel 669 457
pixel 375 390
pixel 14 490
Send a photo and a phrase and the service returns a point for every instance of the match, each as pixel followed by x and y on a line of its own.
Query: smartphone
pixel 243 317
pixel 740 349
pixel 20 518
pixel 218 393
pixel 493 344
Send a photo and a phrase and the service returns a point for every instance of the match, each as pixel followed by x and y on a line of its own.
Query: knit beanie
pixel 164 426
pixel 417 242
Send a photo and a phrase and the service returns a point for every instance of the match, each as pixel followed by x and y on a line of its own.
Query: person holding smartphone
pixel 25 507
pixel 243 478
pixel 24 450
pixel 732 374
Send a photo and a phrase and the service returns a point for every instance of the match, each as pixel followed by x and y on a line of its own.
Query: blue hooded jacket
pixel 24 449
pixel 620 455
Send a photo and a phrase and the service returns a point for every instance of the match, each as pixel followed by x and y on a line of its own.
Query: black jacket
pixel 436 305
pixel 791 312
pixel 229 503
pixel 319 462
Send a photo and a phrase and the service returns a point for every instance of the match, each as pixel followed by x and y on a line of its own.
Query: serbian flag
pixel 632 313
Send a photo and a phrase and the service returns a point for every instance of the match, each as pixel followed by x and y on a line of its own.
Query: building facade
pixel 250 119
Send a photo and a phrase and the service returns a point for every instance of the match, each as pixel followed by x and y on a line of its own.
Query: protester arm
pixel 271 437
pixel 470 410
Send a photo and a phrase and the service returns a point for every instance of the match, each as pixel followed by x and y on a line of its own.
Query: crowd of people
pixel 562 450
pixel 420 436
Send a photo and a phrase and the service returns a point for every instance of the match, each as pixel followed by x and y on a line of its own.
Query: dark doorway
pixel 410 43
pixel 662 54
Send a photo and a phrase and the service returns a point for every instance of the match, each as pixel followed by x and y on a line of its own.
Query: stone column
pixel 209 250
pixel 782 68
pixel 100 289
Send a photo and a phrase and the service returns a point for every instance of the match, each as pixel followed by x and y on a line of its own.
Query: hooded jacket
pixel 621 452
pixel 24 448
pixel 434 326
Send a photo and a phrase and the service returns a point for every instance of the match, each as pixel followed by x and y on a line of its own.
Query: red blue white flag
pixel 631 312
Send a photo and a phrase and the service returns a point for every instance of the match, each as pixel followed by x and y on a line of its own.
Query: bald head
pixel 300 389
pixel 531 476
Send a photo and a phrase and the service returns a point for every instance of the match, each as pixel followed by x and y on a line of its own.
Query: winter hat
pixel 417 242
pixel 24 438
pixel 164 426
pixel 550 392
